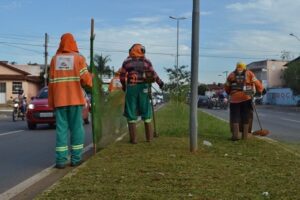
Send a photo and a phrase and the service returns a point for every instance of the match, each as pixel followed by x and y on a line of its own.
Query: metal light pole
pixel 226 74
pixel 194 77
pixel 177 45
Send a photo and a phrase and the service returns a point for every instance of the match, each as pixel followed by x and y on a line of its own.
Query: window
pixel 2 87
pixel 16 86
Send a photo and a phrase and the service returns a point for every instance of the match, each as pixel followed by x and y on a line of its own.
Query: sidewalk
pixel 5 111
pixel 280 108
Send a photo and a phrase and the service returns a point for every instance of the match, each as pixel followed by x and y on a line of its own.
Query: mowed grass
pixel 165 169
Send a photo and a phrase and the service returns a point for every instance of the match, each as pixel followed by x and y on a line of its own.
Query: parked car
pixel 38 111
pixel 203 101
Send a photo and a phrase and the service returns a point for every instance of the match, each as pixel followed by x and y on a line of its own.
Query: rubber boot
pixel 148 132
pixel 250 120
pixel 245 131
pixel 250 125
pixel 231 127
pixel 235 133
pixel 132 132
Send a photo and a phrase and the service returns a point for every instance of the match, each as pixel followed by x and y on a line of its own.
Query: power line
pixel 18 44
pixel 25 44
pixel 208 48
pixel 35 51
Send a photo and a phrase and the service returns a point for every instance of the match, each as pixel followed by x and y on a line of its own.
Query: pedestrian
pixel 68 73
pixel 22 101
pixel 136 76
pixel 241 85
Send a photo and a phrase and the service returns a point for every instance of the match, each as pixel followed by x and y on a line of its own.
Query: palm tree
pixel 101 64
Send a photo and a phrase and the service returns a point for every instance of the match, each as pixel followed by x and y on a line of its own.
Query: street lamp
pixel 226 73
pixel 177 19
pixel 292 34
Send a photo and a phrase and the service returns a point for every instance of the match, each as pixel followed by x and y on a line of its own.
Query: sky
pixel 230 31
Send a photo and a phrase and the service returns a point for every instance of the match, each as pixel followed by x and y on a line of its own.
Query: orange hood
pixel 67 44
pixel 136 51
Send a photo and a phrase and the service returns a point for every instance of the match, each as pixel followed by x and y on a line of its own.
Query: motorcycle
pixel 224 103
pixel 19 109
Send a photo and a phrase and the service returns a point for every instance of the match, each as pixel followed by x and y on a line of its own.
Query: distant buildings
pixel 16 77
pixel 270 72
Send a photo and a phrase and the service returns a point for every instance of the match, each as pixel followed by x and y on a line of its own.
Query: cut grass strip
pixel 165 169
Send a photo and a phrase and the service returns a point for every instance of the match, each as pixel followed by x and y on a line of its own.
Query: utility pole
pixel 46 59
pixel 194 78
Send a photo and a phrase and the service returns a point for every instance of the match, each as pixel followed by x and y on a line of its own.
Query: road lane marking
pixel 291 120
pixel 11 132
pixel 267 139
pixel 14 191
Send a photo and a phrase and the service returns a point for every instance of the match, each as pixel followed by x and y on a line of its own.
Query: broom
pixel 261 132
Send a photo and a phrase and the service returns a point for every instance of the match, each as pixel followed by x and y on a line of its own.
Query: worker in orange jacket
pixel 137 75
pixel 115 83
pixel 68 72
pixel 241 85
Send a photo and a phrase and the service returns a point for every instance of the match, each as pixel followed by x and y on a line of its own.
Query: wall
pixel 280 96
pixel 30 90
pixel 275 73
pixel 7 71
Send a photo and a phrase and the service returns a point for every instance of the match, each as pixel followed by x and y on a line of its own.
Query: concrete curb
pixel 266 139
pixel 280 108
pixel 16 191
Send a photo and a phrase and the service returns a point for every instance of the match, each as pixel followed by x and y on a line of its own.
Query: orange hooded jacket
pixel 240 96
pixel 115 83
pixel 68 71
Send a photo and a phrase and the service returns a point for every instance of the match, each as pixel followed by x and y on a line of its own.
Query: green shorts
pixel 137 103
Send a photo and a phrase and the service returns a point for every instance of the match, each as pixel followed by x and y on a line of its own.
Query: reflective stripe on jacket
pixel 68 71
pixel 233 88
pixel 134 69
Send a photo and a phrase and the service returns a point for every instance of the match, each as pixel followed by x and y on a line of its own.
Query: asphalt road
pixel 283 124
pixel 24 153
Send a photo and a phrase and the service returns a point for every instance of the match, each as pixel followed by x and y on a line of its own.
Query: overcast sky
pixel 230 30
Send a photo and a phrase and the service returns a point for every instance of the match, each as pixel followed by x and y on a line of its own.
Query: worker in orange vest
pixel 68 72
pixel 241 85
pixel 115 83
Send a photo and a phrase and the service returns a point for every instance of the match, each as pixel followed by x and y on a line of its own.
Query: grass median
pixel 165 169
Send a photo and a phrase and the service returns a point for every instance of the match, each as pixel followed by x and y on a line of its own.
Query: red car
pixel 38 111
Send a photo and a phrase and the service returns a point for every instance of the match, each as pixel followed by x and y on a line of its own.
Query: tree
pixel 101 64
pixel 291 76
pixel 179 84
pixel 202 88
